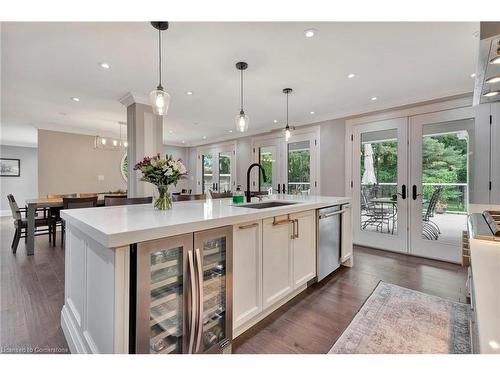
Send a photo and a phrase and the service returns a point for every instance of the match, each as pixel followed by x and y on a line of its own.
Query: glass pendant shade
pixel 288 133
pixel 160 100
pixel 242 121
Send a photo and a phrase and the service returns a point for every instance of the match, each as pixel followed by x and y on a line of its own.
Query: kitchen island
pixel 189 279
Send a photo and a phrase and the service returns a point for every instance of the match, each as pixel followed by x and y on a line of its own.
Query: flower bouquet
pixel 162 173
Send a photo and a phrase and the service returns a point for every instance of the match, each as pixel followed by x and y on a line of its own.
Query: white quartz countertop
pixel 118 226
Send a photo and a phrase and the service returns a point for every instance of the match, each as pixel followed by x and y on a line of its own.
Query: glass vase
pixel 162 200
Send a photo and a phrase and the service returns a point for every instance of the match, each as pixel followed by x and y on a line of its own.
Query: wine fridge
pixel 182 300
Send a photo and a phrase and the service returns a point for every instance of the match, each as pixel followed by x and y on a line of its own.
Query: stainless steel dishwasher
pixel 328 240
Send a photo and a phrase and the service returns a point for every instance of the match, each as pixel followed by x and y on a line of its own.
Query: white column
pixel 144 137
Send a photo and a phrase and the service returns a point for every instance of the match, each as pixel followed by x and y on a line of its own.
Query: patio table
pixel 390 202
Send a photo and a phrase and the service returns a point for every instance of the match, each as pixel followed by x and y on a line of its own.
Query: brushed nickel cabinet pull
pixel 194 303
pixel 282 222
pixel 248 226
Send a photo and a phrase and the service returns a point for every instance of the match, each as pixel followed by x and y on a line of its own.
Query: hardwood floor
pixel 32 292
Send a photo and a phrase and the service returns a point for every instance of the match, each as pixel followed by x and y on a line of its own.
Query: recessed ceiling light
pixel 493 79
pixel 275 121
pixel 351 75
pixel 230 131
pixel 309 33
pixel 75 99
pixel 189 93
pixel 104 65
pixel 374 98
pixel 489 94
pixel 312 112
pixel 183 141
pixel 171 131
pixel 473 75
pixel 204 137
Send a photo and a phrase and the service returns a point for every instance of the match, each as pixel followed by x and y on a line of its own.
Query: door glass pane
pixel 207 164
pixel 267 158
pixel 166 301
pixel 299 167
pixel 446 156
pixel 214 292
pixel 379 178
pixel 224 171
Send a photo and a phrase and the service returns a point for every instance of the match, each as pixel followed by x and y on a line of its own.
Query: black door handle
pixel 284 190
pixel 403 191
pixel 279 188
pixel 414 192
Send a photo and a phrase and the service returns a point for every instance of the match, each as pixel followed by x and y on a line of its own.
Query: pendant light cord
pixel 287 109
pixel 159 54
pixel 241 87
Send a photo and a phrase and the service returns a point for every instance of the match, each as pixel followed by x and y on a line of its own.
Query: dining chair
pixel 72 203
pixel 190 197
pixel 123 201
pixel 43 225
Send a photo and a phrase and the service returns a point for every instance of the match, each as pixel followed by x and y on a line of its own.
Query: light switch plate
pixel 100 177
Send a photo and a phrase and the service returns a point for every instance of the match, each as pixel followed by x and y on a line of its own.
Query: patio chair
pixel 430 230
pixel 376 216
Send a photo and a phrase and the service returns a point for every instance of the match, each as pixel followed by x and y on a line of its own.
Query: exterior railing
pixel 453 197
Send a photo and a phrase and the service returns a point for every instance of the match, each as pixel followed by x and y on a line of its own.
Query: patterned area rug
pixel 396 320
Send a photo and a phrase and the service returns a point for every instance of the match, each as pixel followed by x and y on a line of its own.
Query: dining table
pixel 35 204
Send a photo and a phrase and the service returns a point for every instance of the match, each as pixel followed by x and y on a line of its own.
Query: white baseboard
pixel 73 338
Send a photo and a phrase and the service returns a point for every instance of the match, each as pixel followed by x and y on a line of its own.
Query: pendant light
pixel 242 119
pixel 288 129
pixel 159 98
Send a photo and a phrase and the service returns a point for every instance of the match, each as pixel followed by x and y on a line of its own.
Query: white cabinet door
pixel 346 236
pixel 247 272
pixel 303 247
pixel 277 259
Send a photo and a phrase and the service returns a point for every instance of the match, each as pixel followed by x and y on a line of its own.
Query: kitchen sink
pixel 266 204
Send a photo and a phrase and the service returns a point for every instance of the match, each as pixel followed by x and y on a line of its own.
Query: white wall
pixel 25 186
pixel 332 148
pixel 180 153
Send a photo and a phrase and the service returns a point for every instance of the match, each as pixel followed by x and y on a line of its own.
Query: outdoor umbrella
pixel 369 177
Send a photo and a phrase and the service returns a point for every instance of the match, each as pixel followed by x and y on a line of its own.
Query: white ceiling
pixel 45 64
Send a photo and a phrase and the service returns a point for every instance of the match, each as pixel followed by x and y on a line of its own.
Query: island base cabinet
pixel 183 294
pixel 247 268
pixel 277 265
pixel 303 246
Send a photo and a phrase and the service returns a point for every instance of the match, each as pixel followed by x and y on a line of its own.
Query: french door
pixel 216 171
pixel 270 154
pixel 380 184
pixel 291 167
pixel 442 153
pixel 411 181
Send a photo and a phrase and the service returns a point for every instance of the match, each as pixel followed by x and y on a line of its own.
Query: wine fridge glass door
pixel 213 263
pixel 161 270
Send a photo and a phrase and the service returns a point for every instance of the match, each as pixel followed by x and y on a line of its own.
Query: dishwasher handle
pixel 331 214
